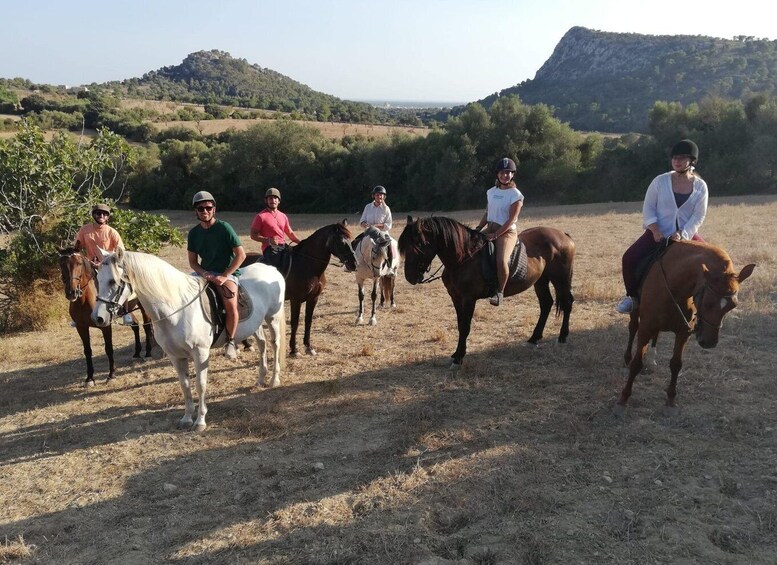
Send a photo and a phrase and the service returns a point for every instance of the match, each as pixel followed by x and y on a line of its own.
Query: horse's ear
pixel 77 246
pixel 119 253
pixel 745 272
pixel 103 253
pixel 410 220
pixel 344 223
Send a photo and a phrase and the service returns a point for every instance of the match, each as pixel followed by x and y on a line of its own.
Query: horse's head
pixel 339 245
pixel 713 300
pixel 113 288
pixel 76 272
pixel 417 250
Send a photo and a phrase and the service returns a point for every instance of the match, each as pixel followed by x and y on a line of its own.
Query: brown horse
pixel 306 281
pixel 550 252
pixel 689 289
pixel 78 277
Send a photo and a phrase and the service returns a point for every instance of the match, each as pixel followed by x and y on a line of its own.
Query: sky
pixel 399 50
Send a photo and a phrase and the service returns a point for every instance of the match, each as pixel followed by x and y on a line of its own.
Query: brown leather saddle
pixel 217 315
pixel 643 267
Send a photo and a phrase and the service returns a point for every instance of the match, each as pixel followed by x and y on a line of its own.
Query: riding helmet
pixel 506 164
pixel 379 190
pixel 686 147
pixel 203 196
pixel 273 192
pixel 101 208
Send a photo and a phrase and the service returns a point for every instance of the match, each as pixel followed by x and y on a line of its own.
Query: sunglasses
pixel 204 208
pixel 100 214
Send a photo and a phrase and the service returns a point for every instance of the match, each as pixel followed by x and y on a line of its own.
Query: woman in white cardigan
pixel 674 208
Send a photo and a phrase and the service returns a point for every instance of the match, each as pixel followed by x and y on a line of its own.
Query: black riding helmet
pixel 686 147
pixel 379 190
pixel 506 164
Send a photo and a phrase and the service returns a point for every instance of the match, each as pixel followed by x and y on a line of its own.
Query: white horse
pixel 377 258
pixel 177 306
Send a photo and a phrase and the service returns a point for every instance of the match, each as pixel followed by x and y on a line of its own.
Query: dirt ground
pixel 374 452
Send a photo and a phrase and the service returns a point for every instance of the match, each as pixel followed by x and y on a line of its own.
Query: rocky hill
pixel 609 81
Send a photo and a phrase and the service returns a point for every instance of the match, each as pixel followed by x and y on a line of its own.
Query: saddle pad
pixel 519 262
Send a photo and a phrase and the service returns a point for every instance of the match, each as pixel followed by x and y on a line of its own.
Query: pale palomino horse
pixel 377 258
pixel 178 308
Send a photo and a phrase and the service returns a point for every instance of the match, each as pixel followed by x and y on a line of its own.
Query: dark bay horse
pixel 550 252
pixel 78 277
pixel 688 290
pixel 306 280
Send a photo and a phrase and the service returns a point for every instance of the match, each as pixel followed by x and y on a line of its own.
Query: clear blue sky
pixel 428 50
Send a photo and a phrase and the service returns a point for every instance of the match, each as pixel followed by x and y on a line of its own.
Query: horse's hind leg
pixel 633 327
pixel 276 325
pixel 108 339
pixel 83 333
pixel 542 289
pixel 360 315
pixel 310 306
pixel 294 317
pixel 565 301
pixel 136 334
pixel 261 344
pixel 634 368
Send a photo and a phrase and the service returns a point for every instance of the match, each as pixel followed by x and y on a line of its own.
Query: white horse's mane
pixel 151 275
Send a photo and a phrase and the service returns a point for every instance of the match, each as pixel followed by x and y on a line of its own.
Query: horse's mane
pixel 326 230
pixel 715 258
pixel 451 233
pixel 151 275
pixel 68 251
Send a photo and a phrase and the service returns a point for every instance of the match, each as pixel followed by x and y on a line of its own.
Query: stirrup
pixel 496 300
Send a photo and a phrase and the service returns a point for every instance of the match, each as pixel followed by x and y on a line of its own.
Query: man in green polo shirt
pixel 215 253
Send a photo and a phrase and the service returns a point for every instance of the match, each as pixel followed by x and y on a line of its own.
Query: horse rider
pixel 271 227
pixel 215 253
pixel 500 219
pixel 675 206
pixel 376 214
pixel 97 235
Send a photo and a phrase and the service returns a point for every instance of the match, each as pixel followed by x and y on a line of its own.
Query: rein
pixel 434 276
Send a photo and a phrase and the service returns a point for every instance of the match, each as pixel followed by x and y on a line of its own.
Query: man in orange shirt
pixel 99 234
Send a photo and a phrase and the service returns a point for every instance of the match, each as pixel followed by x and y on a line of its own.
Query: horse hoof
pixel 373 322
pixel 184 423
pixel 199 428
pixel 89 383
pixel 310 351
pixel 295 354
pixel 619 411
pixel 359 321
pixel 276 382
pixel 249 348
pixel 670 411
pixel 455 366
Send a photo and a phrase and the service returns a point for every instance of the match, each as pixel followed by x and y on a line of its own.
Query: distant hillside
pixel 609 81
pixel 217 77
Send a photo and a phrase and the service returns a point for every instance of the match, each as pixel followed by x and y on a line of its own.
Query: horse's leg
pixel 634 368
pixel 295 308
pixel 633 326
pixel 675 365
pixel 136 333
pixel 83 333
pixel 464 311
pixel 392 281
pixel 651 357
pixel 247 345
pixel 565 301
pixel 108 339
pixel 542 290
pixel 277 330
pixel 181 365
pixel 310 305
pixel 201 359
pixel 148 330
pixel 360 316
pixel 382 290
pixel 261 344
pixel 374 296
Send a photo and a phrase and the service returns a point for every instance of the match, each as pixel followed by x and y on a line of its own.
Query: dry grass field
pixel 374 452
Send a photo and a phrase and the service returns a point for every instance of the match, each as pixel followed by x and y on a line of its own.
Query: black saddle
pixel 216 313
pixel 519 263
pixel 278 256
pixel 643 267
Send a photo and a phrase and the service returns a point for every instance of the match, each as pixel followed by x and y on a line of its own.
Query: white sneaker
pixel 627 305
pixel 230 351
pixel 127 320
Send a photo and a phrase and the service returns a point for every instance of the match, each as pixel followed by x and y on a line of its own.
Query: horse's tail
pixel 564 297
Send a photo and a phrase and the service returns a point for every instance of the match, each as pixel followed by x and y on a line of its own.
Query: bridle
pixel 78 289
pixel 698 297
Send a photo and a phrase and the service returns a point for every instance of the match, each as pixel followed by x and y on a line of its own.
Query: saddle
pixel 278 256
pixel 217 315
pixel 643 267
pixel 518 264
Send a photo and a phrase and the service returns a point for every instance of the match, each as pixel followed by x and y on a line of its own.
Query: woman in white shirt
pixel 501 221
pixel 674 208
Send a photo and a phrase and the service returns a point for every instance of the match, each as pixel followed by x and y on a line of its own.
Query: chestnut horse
pixel 306 281
pixel 550 255
pixel 688 290
pixel 78 277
